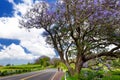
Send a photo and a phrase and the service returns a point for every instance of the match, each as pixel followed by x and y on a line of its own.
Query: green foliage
pixel 3 73
pixel 14 71
pixel 8 65
pixel 87 74
pixel 23 67
pixel 43 60
pixel 116 72
pixel 63 66
pixel 112 77
pixel 75 77
pixel 116 63
pixel 10 70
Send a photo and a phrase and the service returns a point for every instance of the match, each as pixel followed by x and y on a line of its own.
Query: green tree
pixel 43 60
pixel 8 64
pixel 79 30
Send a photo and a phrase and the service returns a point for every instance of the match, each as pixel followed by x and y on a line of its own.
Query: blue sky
pixel 6 8
pixel 18 46
pixel 8 42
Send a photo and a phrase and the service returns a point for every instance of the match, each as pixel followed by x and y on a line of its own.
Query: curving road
pixel 38 75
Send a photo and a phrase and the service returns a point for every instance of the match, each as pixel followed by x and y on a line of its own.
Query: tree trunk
pixel 70 69
pixel 78 67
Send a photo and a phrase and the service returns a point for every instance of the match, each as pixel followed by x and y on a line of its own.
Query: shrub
pixel 4 73
pixel 9 70
pixel 112 77
pixel 0 73
pixel 87 74
pixel 116 72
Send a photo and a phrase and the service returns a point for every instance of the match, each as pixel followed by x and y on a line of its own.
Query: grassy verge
pixel 87 74
pixel 10 70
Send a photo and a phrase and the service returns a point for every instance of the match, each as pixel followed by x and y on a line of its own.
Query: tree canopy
pixel 80 30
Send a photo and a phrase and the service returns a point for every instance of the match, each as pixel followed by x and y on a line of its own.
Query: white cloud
pixel 8 27
pixel 21 7
pixel 32 40
pixel 38 49
pixel 15 52
pixel 11 1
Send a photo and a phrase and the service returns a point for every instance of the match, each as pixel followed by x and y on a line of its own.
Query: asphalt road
pixel 38 75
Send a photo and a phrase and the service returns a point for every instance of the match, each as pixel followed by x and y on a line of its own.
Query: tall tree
pixel 80 30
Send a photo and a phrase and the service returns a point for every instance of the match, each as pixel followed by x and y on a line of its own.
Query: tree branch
pixel 93 56
pixel 66 55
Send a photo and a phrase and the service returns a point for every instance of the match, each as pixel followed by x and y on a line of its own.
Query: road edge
pixel 52 78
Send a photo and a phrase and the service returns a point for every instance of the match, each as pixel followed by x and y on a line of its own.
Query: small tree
pixel 43 60
pixel 80 30
pixel 8 64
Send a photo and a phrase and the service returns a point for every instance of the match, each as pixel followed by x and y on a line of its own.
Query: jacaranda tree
pixel 79 30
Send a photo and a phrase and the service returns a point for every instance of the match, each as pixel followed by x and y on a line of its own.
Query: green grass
pixel 87 74
pixel 112 77
pixel 23 67
pixel 10 70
